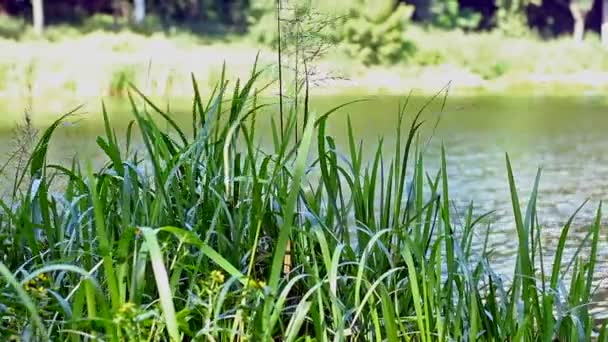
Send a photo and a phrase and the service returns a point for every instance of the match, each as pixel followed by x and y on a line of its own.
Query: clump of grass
pixel 120 81
pixel 185 239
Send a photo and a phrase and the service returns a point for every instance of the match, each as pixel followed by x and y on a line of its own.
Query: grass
pixel 199 234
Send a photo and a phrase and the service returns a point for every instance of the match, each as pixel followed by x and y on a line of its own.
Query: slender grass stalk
pixel 285 230
pixel 162 282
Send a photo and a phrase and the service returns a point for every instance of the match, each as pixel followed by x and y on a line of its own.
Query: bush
pixel 99 22
pixel 262 22
pixel 11 27
pixel 375 33
pixel 491 71
pixel 372 32
pixel 58 33
pixel 449 15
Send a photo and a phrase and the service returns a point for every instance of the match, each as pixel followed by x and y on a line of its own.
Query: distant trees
pixel 139 11
pixel 513 17
pixel 579 10
pixel 38 16
pixel 373 33
pixel 604 27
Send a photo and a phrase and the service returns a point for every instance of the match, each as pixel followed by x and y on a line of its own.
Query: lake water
pixel 566 136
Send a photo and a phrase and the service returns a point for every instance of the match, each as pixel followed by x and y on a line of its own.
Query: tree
pixel 604 29
pixel 374 32
pixel 511 16
pixel 448 14
pixel 38 16
pixel 139 11
pixel 579 10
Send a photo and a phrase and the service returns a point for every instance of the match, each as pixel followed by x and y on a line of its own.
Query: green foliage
pixel 262 21
pixel 375 11
pixel 373 32
pixel 584 5
pixel 490 71
pixel 11 27
pixel 512 24
pixel 511 16
pixel 381 39
pixel 99 22
pixel 449 15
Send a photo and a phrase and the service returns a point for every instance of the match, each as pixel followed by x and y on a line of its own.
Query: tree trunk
pixel 139 11
pixel 605 22
pixel 579 22
pixel 38 14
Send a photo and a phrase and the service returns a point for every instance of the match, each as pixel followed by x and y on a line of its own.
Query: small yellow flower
pixel 41 290
pixel 217 277
pixel 30 284
pixel 257 284
pixel 126 307
pixel 43 277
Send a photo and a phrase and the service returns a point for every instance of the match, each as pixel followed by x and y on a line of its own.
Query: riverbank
pixel 103 63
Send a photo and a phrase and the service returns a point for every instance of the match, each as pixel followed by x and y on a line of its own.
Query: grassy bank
pixel 204 236
pixel 53 68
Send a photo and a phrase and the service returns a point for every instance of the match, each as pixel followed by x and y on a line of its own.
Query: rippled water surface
pixel 565 136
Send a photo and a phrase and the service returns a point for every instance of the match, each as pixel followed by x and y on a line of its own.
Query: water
pixel 565 136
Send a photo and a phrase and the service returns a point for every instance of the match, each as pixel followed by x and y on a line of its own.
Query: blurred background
pixel 58 49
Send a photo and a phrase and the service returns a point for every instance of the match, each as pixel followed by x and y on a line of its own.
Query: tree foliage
pixel 371 30
pixel 375 31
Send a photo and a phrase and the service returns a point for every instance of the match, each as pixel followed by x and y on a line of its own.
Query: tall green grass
pixel 186 238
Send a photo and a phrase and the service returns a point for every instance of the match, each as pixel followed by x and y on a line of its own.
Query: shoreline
pixel 52 74
pixel 46 107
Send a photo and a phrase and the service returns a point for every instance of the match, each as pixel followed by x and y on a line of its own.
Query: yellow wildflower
pixel 126 307
pixel 217 277
pixel 258 284
pixel 41 290
pixel 30 284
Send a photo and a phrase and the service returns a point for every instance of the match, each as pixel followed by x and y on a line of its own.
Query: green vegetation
pixel 56 73
pixel 199 234
pixel 375 46
pixel 205 233
pixel 373 33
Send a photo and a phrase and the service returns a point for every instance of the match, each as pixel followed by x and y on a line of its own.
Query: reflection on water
pixel 564 136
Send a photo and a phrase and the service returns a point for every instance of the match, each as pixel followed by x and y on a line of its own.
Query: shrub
pixel 58 33
pixel 375 33
pixel 448 14
pixel 99 22
pixel 371 31
pixel 263 23
pixel 11 27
